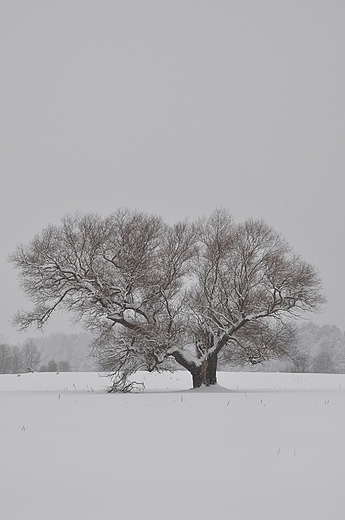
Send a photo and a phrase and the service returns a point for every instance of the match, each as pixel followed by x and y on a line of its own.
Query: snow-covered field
pixel 272 447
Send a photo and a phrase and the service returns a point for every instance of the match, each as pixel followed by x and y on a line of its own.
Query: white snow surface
pixel 255 447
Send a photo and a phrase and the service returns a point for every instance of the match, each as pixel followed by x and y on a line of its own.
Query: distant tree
pixel 322 348
pixel 30 355
pixel 17 365
pixel 72 348
pixel 157 294
pixel 323 363
pixel 51 366
pixel 5 359
pixel 63 366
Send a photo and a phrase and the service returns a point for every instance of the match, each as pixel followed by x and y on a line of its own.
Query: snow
pixel 256 447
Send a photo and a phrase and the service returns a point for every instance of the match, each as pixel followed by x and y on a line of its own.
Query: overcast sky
pixel 174 107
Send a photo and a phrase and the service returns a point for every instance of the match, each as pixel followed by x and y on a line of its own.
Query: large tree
pixel 154 293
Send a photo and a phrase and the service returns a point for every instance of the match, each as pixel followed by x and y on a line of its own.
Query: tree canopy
pixel 156 294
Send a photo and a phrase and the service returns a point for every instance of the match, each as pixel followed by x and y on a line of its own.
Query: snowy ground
pixel 272 447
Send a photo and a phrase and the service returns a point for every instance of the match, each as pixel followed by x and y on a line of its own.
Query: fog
pixel 174 108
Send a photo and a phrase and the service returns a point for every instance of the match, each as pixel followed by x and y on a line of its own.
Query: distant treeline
pixel 319 349
pixel 56 352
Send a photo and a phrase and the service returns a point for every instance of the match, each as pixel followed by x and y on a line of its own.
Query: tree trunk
pixel 206 373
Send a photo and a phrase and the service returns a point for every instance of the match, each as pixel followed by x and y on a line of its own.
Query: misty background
pixel 174 108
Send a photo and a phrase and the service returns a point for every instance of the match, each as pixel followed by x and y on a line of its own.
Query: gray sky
pixel 175 108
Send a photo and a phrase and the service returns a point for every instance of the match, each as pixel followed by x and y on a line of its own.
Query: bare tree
pixel 249 286
pixel 30 355
pixel 158 294
pixel 17 365
pixel 5 359
pixel 321 348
